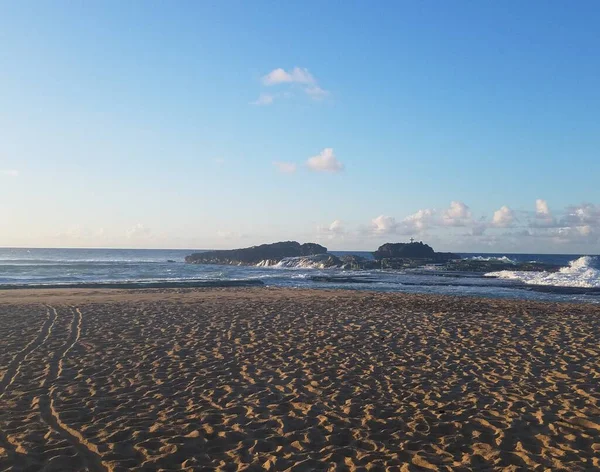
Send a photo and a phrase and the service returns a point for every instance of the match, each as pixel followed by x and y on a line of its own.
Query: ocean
pixel 578 281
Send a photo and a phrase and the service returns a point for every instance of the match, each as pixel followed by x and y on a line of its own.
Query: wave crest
pixel 583 272
pixel 319 261
pixel 504 259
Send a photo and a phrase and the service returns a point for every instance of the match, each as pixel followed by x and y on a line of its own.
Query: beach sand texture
pixel 275 379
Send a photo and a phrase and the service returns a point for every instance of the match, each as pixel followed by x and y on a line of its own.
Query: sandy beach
pixel 276 379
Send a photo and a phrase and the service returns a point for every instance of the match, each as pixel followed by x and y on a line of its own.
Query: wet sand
pixel 275 379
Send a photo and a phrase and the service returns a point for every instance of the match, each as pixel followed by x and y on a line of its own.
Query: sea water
pixel 579 280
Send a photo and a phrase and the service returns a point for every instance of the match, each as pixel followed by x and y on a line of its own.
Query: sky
pixel 472 126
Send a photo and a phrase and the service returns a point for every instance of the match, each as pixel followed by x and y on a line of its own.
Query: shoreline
pixel 185 293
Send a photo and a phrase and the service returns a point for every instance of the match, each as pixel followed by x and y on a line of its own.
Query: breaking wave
pixel 504 259
pixel 583 272
pixel 319 261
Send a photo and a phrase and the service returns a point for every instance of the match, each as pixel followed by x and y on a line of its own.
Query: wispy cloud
pixel 138 231
pixel 285 167
pixel 9 172
pixel 316 92
pixel 325 161
pixel 334 230
pixel 298 77
pixel 264 99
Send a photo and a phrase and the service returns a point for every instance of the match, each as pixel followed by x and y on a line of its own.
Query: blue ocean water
pixel 578 281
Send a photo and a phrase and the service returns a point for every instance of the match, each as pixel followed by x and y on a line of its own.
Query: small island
pixel 394 256
pixel 265 254
pixel 294 254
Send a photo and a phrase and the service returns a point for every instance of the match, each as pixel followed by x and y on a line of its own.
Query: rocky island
pixel 407 255
pixel 396 256
pixel 294 254
pixel 265 254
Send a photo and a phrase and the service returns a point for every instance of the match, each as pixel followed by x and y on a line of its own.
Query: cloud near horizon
pixel 504 217
pixel 334 230
pixel 383 224
pixel 543 217
pixel 580 224
pixel 138 231
pixel 458 214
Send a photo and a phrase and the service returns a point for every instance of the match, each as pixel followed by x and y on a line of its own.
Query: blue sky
pixel 191 124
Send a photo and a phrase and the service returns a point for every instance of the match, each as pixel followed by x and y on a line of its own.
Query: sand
pixel 275 379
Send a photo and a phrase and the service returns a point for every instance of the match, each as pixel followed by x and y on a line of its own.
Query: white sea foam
pixel 319 261
pixel 583 272
pixel 504 259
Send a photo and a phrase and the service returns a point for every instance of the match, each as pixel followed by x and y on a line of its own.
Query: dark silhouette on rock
pixel 253 255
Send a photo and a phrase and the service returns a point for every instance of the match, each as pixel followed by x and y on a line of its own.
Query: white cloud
pixel 584 214
pixel 333 230
pixel 316 92
pixel 541 207
pixel 264 99
pixel 585 234
pixel 384 224
pixel 543 217
pixel 325 161
pixel 504 217
pixel 297 75
pixel 9 172
pixel 138 231
pixel 419 221
pixel 580 224
pixel 458 214
pixel 285 167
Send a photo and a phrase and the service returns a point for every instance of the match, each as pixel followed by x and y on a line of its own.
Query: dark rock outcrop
pixel 409 255
pixel 404 250
pixel 352 262
pixel 253 255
